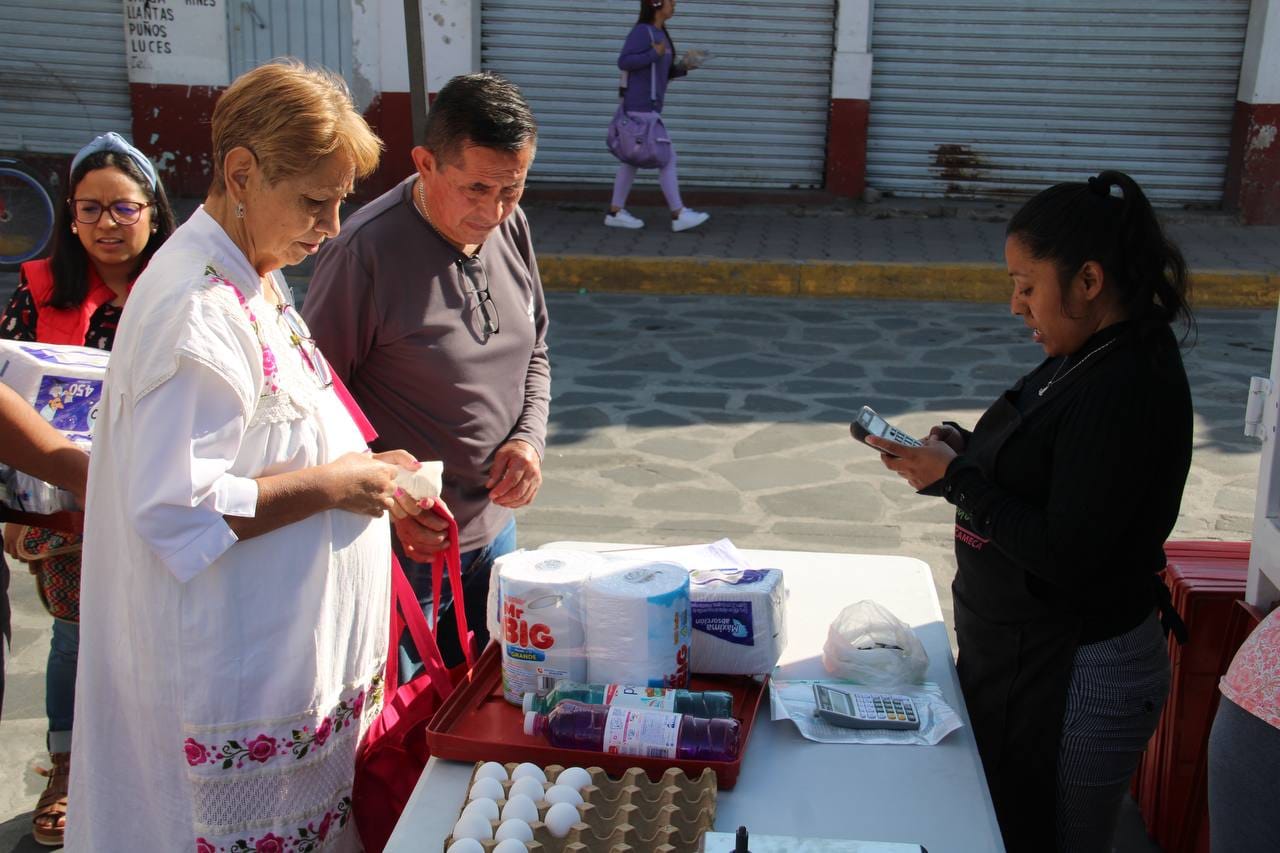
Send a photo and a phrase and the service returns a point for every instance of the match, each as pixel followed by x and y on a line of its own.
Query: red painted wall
pixel 1253 165
pixel 847 147
pixel 171 124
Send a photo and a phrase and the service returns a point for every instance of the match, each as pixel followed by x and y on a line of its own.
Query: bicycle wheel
pixel 26 216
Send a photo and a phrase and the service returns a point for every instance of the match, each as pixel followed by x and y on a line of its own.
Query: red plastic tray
pixel 478 724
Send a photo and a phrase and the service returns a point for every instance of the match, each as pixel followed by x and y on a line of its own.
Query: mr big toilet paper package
pixel 537 617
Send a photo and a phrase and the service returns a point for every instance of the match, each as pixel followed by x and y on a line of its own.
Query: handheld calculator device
pixel 869 423
pixel 856 710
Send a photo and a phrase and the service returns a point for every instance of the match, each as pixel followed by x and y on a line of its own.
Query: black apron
pixel 1016 650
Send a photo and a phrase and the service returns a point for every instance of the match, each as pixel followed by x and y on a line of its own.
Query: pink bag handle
pixel 450 560
pixel 407 613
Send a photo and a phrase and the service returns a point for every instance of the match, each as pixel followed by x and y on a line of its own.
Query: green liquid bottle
pixel 706 703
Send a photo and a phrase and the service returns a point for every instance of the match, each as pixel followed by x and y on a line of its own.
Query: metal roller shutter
pixel 63 67
pixel 991 98
pixel 754 116
pixel 318 32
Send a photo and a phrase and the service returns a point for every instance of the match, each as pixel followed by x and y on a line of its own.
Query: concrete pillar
pixel 1253 165
pixel 451 31
pixel 850 100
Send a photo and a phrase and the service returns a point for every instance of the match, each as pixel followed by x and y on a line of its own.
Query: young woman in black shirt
pixel 1065 492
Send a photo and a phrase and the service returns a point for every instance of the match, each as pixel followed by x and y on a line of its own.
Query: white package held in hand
pixel 423 483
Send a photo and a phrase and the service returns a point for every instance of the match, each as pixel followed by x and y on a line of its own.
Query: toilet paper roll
pixel 538 620
pixel 637 624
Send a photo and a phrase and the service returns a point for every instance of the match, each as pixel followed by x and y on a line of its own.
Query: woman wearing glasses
pixel 115 217
pixel 235 635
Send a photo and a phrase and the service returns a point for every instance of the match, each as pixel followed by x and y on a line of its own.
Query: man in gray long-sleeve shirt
pixel 429 306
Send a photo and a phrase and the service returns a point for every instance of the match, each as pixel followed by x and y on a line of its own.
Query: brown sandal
pixel 49 822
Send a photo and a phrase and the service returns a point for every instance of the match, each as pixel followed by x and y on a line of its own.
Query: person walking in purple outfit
pixel 649 45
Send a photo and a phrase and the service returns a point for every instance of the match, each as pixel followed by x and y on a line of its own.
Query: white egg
pixel 484 807
pixel 560 819
pixel 492 770
pixel 575 777
pixel 563 794
pixel 520 807
pixel 510 845
pixel 473 826
pixel 531 788
pixel 514 828
pixel 529 771
pixel 490 788
pixel 466 845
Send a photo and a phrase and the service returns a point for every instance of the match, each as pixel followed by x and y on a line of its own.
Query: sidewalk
pixel 892 249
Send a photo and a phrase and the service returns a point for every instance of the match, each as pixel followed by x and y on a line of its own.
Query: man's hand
pixel 516 474
pixel 422 532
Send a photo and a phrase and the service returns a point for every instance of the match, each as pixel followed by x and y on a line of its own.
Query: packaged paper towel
pixel 739 620
pixel 637 624
pixel 540 629
pixel 64 384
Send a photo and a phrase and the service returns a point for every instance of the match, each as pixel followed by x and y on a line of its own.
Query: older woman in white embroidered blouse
pixel 237 589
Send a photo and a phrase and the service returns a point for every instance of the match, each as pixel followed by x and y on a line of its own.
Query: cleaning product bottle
pixel 706 703
pixel 635 731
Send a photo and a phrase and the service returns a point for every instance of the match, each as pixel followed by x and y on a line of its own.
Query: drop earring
pixel 239 210
pixel 74 229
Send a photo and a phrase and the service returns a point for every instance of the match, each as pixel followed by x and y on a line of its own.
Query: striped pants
pixel 1118 688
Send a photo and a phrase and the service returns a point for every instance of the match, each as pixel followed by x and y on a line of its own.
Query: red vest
pixel 63 325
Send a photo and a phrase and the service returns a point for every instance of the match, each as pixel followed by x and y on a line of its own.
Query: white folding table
pixel 935 796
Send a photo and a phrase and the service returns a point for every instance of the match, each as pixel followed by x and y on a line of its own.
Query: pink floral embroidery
pixel 269 367
pixel 263 747
pixel 305 839
pixel 196 752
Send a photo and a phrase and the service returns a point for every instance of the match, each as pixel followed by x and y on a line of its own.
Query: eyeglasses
pixel 300 337
pixel 478 283
pixel 88 211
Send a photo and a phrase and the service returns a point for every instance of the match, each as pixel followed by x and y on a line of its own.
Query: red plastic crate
pixel 1206 580
pixel 477 724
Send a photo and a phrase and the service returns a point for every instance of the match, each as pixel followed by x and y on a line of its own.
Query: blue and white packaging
pixel 638 624
pixel 739 620
pixel 63 384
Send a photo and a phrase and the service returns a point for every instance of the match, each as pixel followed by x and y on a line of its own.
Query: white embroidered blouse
pixel 223 685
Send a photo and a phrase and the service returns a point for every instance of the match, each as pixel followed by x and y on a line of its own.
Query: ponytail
pixel 1073 223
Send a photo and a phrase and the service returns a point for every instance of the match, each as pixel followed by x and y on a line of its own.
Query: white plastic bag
pixel 868 644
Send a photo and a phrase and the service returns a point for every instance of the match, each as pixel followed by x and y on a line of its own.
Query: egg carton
pixel 629 814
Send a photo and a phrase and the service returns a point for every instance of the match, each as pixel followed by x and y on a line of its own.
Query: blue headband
pixel 116 144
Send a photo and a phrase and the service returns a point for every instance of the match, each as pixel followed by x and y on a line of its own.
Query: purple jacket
pixel 636 57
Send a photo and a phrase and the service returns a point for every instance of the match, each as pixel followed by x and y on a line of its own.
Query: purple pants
pixel 666 179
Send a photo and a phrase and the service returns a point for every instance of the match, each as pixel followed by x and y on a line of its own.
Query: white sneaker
pixel 622 219
pixel 689 218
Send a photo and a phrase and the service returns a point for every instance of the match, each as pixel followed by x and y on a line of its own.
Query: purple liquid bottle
pixel 635 731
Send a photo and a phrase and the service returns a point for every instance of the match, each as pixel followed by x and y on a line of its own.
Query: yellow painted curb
pixel 854 280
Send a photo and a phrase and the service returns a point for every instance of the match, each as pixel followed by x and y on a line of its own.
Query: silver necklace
pixel 1092 353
